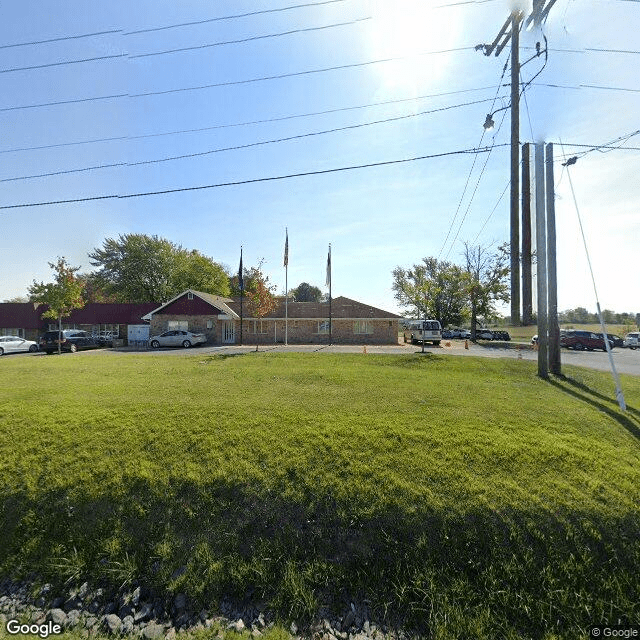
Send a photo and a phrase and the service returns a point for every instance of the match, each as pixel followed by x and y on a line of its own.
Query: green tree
pixel 196 271
pixel 63 295
pixel 260 294
pixel 486 275
pixel 93 291
pixel 432 289
pixel 306 292
pixel 142 268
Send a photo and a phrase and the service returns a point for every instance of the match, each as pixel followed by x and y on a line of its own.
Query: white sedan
pixel 177 338
pixel 13 344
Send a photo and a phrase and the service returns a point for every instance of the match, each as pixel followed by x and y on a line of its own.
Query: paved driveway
pixel 626 360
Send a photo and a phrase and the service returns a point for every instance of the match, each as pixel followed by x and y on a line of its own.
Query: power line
pixel 310 134
pixel 484 167
pixel 252 180
pixel 61 102
pixel 584 86
pixel 244 146
pixel 252 38
pixel 60 39
pixel 492 212
pixel 233 17
pixel 466 184
pixel 295 74
pixel 246 123
pixel 63 63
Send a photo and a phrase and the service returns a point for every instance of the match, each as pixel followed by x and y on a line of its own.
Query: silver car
pixel 14 344
pixel 177 338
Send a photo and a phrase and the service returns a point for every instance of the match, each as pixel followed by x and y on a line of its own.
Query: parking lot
pixel 626 360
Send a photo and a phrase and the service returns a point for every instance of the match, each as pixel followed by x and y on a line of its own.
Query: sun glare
pixel 408 28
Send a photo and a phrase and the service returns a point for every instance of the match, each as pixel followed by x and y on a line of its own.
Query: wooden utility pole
pixel 516 18
pixel 541 251
pixel 527 290
pixel 511 30
pixel 552 279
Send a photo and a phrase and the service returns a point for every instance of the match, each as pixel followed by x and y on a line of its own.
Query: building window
pixel 323 327
pixel 180 325
pixel 259 326
pixel 209 324
pixel 13 332
pixel 362 326
pixel 190 296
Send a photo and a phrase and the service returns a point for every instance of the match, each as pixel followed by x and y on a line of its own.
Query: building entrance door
pixel 228 332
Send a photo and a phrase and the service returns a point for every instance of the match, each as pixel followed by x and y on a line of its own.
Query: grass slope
pixel 462 497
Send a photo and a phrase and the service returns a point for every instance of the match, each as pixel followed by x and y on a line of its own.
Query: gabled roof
pixel 341 307
pixel 217 302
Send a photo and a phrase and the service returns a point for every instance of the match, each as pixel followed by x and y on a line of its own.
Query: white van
pixel 632 340
pixel 423 331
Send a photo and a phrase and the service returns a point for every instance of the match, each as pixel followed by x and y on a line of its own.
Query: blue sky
pixel 375 218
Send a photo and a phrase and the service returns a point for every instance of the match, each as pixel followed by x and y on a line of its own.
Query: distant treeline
pixel 580 315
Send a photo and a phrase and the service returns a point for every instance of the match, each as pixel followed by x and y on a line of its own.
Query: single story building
pixel 219 318
pixel 25 319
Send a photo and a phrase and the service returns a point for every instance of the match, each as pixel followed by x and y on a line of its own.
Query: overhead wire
pixel 63 63
pixel 247 123
pixel 233 16
pixel 484 167
pixel 245 146
pixel 252 38
pixel 251 180
pixel 492 212
pixel 60 39
pixel 464 191
pixel 294 74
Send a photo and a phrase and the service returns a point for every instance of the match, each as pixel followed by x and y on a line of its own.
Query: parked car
pixel 177 338
pixel 501 335
pixel 465 334
pixel 105 338
pixel 423 331
pixel 484 334
pixel 580 340
pixel 14 344
pixel 447 333
pixel 616 341
pixel 632 340
pixel 71 340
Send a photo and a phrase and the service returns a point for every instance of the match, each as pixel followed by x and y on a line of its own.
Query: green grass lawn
pixel 463 497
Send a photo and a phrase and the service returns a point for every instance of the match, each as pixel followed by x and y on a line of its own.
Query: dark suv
pixel 71 340
pixel 580 340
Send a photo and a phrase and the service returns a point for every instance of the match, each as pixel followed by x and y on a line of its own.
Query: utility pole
pixel 527 293
pixel 511 30
pixel 516 17
pixel 541 250
pixel 554 327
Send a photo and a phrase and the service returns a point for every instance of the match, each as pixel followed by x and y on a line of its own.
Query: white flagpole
pixel 286 287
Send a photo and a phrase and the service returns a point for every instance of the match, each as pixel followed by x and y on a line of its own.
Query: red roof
pixel 25 315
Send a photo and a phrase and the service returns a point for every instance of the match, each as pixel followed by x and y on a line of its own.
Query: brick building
pixel 352 322
pixel 25 319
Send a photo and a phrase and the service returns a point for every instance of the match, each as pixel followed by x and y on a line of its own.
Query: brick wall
pixel 273 331
pixel 306 332
pixel 196 324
